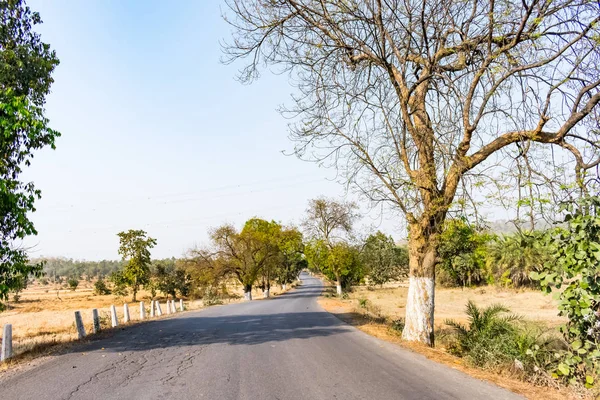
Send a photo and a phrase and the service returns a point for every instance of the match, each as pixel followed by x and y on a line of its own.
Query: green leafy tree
pixel 242 255
pixel 73 282
pixel 339 262
pixel 382 260
pixel 120 283
pixel 100 287
pixel 135 249
pixel 26 66
pixel 462 254
pixel 291 258
pixel 511 259
pixel 575 271
pixel 170 278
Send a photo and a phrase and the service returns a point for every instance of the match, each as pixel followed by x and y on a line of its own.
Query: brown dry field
pixel 450 303
pixel 45 316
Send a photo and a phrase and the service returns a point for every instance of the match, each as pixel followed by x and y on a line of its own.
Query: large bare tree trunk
pixel 247 292
pixel 421 290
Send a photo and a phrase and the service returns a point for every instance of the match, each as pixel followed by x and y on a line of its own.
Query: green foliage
pixel 492 339
pixel 73 283
pixel 575 270
pixel 26 66
pixel 135 248
pixel 100 288
pixel 362 303
pixel 511 259
pixel 171 279
pixel 119 283
pixel 383 261
pixel 339 261
pixel 462 253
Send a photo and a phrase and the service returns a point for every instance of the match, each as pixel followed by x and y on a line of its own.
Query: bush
pixel 73 283
pixel 493 339
pixel 100 288
pixel 362 303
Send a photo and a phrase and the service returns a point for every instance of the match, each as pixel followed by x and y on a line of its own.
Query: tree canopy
pixel 26 66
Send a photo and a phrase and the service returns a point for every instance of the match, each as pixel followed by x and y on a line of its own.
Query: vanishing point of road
pixel 284 348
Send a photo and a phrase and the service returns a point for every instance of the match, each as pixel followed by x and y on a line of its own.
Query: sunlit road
pixel 283 348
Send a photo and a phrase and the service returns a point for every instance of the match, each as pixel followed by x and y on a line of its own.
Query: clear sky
pixel 158 135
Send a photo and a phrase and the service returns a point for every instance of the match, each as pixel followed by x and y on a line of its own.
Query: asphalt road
pixel 283 348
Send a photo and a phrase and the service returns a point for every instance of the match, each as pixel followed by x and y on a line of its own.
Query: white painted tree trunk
pixel 248 296
pixel 338 289
pixel 284 287
pixel 113 316
pixel 418 325
pixel 266 293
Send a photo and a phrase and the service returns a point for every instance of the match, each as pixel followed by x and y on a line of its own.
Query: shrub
pixel 362 303
pixel 493 338
pixel 73 283
pixel 100 288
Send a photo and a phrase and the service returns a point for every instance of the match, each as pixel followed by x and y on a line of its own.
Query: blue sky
pixel 158 135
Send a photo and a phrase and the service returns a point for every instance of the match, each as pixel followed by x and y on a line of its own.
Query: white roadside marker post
pixel 79 325
pixel 125 313
pixel 180 304
pixel 7 349
pixel 96 319
pixel 158 309
pixel 142 311
pixel 152 309
pixel 113 316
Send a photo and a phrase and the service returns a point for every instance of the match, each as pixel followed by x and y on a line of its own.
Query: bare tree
pixel 415 102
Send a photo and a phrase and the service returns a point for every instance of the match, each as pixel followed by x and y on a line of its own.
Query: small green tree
pixel 339 262
pixel 135 249
pixel 100 288
pixel 382 260
pixel 73 283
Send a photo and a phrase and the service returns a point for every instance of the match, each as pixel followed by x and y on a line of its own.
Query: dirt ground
pixel 450 303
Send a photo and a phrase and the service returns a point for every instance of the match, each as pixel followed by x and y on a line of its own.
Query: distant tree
pixel 100 288
pixel 73 282
pixel 242 255
pixel 26 66
pixel 340 262
pixel 329 222
pixel 135 249
pixel 511 259
pixel 291 256
pixel 382 260
pixel 170 279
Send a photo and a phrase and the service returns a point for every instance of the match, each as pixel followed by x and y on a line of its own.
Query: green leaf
pixel 563 369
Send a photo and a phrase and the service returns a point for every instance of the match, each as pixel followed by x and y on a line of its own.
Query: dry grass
pixel 450 303
pixel 44 316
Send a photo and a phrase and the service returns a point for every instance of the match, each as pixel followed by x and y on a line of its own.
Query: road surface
pixel 284 348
